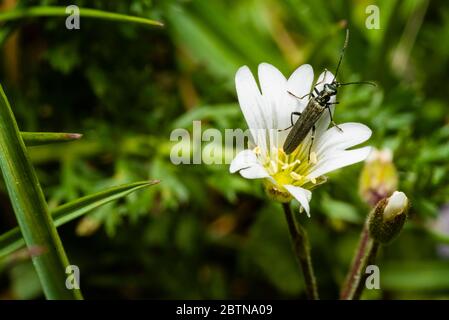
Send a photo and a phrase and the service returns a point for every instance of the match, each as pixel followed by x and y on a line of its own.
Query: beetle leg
pixel 294 114
pixel 294 95
pixel 330 114
pixel 311 141
pixel 291 120
pixel 324 77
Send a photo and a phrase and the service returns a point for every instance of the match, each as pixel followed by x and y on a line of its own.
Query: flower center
pixel 292 169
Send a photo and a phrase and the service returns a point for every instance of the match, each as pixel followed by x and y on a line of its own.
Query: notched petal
pixel 242 160
pixel 302 195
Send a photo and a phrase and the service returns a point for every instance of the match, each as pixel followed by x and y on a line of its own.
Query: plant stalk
pixel 58 11
pixel 365 255
pixel 301 247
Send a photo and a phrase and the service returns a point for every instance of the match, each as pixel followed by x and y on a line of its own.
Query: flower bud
pixel 379 177
pixel 388 217
pixel 397 204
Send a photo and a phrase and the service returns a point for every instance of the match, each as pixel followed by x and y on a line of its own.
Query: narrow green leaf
pixel 31 208
pixel 40 138
pixel 48 11
pixel 12 240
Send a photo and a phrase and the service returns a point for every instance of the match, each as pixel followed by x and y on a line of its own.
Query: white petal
pixel 243 159
pixel 397 203
pixel 325 77
pixel 248 165
pixel 337 160
pixel 274 92
pixel 302 195
pixel 301 80
pixel 255 171
pixel 299 84
pixel 252 104
pixel 249 97
pixel 352 134
pixel 274 89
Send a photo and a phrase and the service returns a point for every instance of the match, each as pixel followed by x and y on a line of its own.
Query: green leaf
pixel 31 208
pixel 12 240
pixel 340 210
pixel 49 11
pixel 40 138
pixel 206 46
pixel 217 113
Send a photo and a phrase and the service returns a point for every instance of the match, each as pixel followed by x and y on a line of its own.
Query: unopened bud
pixel 379 177
pixel 388 217
pixel 397 204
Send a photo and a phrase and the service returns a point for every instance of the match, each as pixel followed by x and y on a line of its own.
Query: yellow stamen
pixel 290 165
pixel 313 180
pixel 281 151
pixel 313 158
pixel 257 150
pixel 295 176
pixel 274 166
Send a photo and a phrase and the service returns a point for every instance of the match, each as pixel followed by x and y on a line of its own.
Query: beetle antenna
pixel 359 82
pixel 342 54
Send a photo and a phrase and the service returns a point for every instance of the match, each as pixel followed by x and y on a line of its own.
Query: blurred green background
pixel 203 233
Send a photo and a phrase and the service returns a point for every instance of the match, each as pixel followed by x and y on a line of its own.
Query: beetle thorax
pixel 329 90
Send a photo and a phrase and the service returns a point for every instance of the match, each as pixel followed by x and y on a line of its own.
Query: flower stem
pixel 302 251
pixel 365 255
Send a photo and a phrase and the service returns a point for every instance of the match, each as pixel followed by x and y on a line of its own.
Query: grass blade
pixel 12 240
pixel 50 11
pixel 41 138
pixel 31 209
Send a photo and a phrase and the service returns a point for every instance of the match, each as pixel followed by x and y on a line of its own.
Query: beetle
pixel 316 106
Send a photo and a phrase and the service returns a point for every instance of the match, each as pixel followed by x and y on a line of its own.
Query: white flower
pixel 266 111
pixel 396 205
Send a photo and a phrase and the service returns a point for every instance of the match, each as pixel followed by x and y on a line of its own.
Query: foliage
pixel 203 233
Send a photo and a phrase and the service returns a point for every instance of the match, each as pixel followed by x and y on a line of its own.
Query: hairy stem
pixel 365 255
pixel 302 251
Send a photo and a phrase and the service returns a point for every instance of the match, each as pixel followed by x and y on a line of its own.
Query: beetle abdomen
pixel 303 125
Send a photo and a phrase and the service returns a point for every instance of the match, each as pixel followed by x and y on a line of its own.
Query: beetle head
pixel 330 89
